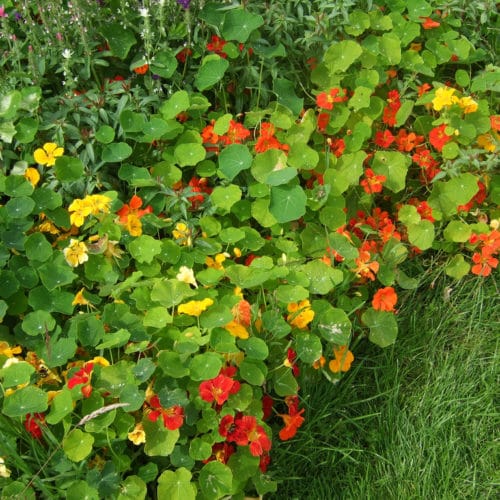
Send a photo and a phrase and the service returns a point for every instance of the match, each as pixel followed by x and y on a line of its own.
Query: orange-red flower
pixel 407 141
pixel 217 45
pixel 218 389
pixel 32 424
pixel 325 100
pixel 172 417
pixel 429 24
pixel 293 420
pixel 342 361
pixel 141 70
pixel 372 183
pixel 267 140
pixel 385 299
pixel 438 137
pixel 484 262
pixel 384 139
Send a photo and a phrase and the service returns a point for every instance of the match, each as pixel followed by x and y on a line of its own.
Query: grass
pixel 418 420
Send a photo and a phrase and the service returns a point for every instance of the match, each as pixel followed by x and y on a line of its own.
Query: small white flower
pixel 66 53
pixel 187 276
pixel 144 12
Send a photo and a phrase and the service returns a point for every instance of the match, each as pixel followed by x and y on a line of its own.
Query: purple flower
pixel 184 3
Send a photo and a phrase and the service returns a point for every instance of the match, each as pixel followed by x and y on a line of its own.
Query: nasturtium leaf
pixel 211 71
pixel 418 9
pixel 255 348
pixel 421 234
pixel 77 445
pixel 114 339
pixel 176 485
pixel 234 159
pixel 116 152
pixel 390 48
pixel 60 406
pixel 285 91
pixel 224 197
pixel 155 128
pixel 160 441
pixel 339 243
pixel 383 327
pixel 205 366
pixel 308 347
pixel 265 163
pixel 58 351
pixel 29 399
pixel 457 231
pixel 38 323
pixel 239 24
pixel 105 134
pixel 9 104
pixel 144 248
pixel 339 56
pixel 458 191
pixel 291 293
pixel 253 371
pixel 287 203
pixel 405 282
pixel 280 177
pixel 216 480
pixel 131 121
pixel 46 199
pixel 164 64
pixel 10 284
pixel 302 157
pixel 37 247
pixel 231 235
pixel 216 315
pixel 394 166
pixel 177 103
pixel 26 130
pixel 171 364
pixel 132 488
pixel 404 112
pixel 17 185
pixel 322 277
pixel 20 207
pixel 360 98
pixel 189 154
pixel 359 22
pixel 284 382
pixel 450 150
pixel 200 449
pixel 3 309
pixel 221 125
pixel 16 374
pixel 457 267
pixel 157 317
pixel 7 132
pixel 170 292
pixel 334 325
pixel 120 39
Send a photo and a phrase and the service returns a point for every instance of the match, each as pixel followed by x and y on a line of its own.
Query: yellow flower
pixel 79 299
pixel 47 154
pixel 468 104
pixel 137 436
pixel 76 253
pixel 343 359
pixel 217 262
pixel 8 351
pixel 486 142
pixel 186 275
pixel 443 97
pixel 195 307
pixel 237 330
pixel 98 203
pixel 99 360
pixel 133 225
pixel 237 252
pixel 80 209
pixel 300 315
pixel 32 175
pixel 182 234
pixel 4 472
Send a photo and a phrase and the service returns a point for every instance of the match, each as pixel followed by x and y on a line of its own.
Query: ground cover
pixel 213 212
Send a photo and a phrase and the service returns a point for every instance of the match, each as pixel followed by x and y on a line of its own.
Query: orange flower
pixel 343 359
pixel 484 262
pixel 372 183
pixel 385 299
pixel 438 137
pixel 429 24
pixel 495 122
pixel 141 70
pixel 292 422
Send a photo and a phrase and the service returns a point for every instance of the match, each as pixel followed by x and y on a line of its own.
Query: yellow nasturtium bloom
pixel 79 210
pixel 195 307
pixel 468 104
pixel 237 330
pixel 76 253
pixel 300 315
pixel 32 175
pixel 182 234
pixel 79 299
pixel 47 154
pixel 137 435
pixel 7 350
pixel 443 97
pixel 186 275
pixel 343 359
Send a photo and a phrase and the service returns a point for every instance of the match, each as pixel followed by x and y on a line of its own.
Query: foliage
pixel 186 229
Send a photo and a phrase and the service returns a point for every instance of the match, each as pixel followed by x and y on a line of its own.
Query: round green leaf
pixel 145 248
pixel 160 441
pixel 334 325
pixel 18 208
pixel 116 152
pixel 255 348
pixel 119 38
pixel 77 445
pixel 457 231
pixel 205 366
pixel 189 154
pixel 37 247
pixel 217 315
pixel 288 203
pixel 131 121
pixel 457 267
pixel 211 72
pixel 132 488
pixel 68 169
pixel 253 371
pixel 29 399
pixel 16 374
pixel 239 24
pixel 234 159
pixel 26 130
pixel 383 327
pixel 224 197
pixel 171 364
pixel 216 480
pixel 200 449
pixel 176 485
pixel 177 103
pixel 38 323
pixel 105 134
pixel 164 64
pixel 308 347
pixel 421 235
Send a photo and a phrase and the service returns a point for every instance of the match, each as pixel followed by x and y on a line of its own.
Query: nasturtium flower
pixel 293 420
pixel 438 137
pixel 429 24
pixel 182 234
pixel 76 253
pixel 98 203
pixel 137 435
pixel 385 299
pixel 485 141
pixel 195 307
pixel 186 275
pixel 468 104
pixel 47 154
pixel 4 472
pixel 216 262
pixel 32 175
pixel 342 361
pixel 32 424
pixel 173 417
pixel 7 350
pixel 218 389
pixel 79 299
pixel 80 209
pixel 237 330
pixel 443 98
pixel 300 315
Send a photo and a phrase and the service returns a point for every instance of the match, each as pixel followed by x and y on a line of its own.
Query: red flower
pixel 292 422
pixel 133 208
pixel 326 100
pixel 423 89
pixel 438 137
pixel 407 142
pixel 267 406
pixel 221 452
pixel 173 417
pixel 184 54
pixel 236 133
pixel 484 262
pixel 372 183
pixel 217 45
pixel 384 139
pixel 323 120
pixel 429 24
pixel 141 70
pixel 218 389
pixel 337 146
pixel 267 140
pixel 31 424
pixel 82 376
pixel 385 299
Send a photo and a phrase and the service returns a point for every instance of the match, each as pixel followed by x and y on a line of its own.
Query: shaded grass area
pixel 417 420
